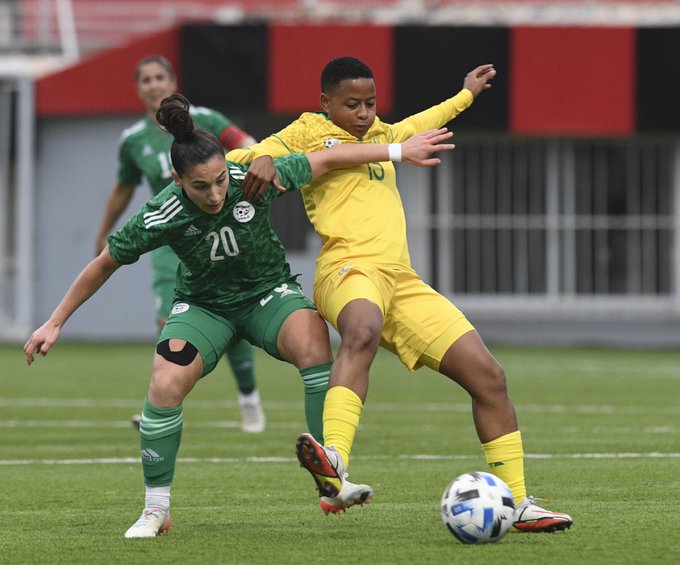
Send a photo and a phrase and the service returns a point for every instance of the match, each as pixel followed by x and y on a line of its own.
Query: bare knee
pixel 360 338
pixel 303 339
pixel 315 350
pixel 470 364
pixel 165 389
pixel 360 324
pixel 494 378
pixel 176 369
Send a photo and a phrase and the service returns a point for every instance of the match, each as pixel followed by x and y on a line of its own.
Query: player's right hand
pixel 260 175
pixel 40 341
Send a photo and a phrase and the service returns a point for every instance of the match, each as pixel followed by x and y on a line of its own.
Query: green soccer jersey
pixel 227 259
pixel 144 149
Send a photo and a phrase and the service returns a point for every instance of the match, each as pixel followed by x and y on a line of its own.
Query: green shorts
pixel 258 322
pixel 164 264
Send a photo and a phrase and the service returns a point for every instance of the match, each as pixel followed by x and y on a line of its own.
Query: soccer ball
pixel 478 508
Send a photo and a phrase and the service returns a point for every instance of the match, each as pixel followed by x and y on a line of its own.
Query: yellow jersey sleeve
pixel 432 118
pixel 356 211
pixel 300 136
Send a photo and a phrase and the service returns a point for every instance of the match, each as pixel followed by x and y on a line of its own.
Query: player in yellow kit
pixel 365 286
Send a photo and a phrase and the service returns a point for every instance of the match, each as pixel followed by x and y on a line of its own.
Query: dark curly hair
pixel 191 146
pixel 341 69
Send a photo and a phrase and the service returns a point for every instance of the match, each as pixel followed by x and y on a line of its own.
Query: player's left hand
pixel 478 80
pixel 261 174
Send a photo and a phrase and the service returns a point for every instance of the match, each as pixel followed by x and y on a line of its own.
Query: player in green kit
pixel 144 152
pixel 233 282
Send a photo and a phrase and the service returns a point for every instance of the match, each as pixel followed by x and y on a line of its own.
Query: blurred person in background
pixel 144 152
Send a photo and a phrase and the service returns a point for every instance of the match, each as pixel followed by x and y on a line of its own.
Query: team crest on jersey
pixel 244 211
pixel 180 307
pixel 331 143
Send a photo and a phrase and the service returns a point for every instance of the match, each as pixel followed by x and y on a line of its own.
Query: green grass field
pixel 601 431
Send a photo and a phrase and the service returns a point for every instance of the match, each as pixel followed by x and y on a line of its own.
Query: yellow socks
pixel 341 414
pixel 505 458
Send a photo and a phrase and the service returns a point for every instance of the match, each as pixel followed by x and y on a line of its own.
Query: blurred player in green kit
pixel 144 151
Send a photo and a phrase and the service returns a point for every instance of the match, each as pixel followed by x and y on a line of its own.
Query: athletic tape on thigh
pixel 182 357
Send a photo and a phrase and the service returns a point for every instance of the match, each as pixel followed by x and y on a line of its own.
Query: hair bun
pixel 174 116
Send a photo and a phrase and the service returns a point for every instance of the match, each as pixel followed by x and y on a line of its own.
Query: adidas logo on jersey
pixel 236 173
pixel 168 210
pixel 147 150
pixel 192 230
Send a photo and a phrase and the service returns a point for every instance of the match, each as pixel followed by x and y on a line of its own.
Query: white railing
pixel 553 227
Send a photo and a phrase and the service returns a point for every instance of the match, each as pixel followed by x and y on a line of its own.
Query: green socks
pixel 242 362
pixel 160 432
pixel 315 381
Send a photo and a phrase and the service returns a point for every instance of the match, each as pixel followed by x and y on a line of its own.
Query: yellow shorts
pixel 419 323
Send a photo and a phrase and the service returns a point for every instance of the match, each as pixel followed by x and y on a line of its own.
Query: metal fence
pixel 554 226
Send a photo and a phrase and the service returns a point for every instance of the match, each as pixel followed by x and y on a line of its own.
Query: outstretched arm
pixel 476 82
pixel 86 284
pixel 417 150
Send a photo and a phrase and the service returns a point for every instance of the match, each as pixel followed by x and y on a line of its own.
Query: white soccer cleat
pixel 253 420
pixel 153 522
pixel 336 493
pixel 323 463
pixel 349 495
pixel 532 518
pixel 135 421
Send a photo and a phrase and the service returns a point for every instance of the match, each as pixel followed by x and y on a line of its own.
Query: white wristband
pixel 394 151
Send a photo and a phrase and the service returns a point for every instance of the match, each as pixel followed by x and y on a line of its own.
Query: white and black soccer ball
pixel 478 508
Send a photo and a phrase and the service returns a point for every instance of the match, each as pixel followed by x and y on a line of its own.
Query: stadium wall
pixel 595 82
pixel 552 80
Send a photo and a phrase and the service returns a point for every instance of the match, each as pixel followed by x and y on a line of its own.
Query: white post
pixel 675 258
pixel 67 30
pixel 552 205
pixel 5 131
pixel 25 205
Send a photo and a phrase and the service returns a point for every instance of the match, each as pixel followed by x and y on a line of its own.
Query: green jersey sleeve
pixel 294 170
pixel 146 230
pixel 210 120
pixel 129 173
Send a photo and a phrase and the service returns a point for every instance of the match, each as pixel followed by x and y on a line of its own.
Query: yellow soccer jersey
pixel 357 211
